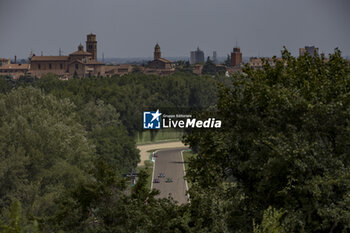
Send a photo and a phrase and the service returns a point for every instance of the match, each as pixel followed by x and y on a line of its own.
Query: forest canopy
pixel 280 162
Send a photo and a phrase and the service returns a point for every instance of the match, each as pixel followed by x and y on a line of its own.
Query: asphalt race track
pixel 169 162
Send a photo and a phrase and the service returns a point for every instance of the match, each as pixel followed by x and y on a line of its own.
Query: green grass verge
pixel 187 156
pixel 148 167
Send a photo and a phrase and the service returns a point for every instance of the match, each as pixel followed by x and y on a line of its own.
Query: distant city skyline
pixel 131 28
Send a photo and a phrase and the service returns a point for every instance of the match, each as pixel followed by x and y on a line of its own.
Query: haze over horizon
pixel 130 28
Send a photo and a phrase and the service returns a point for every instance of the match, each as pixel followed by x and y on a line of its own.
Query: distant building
pixel 197 57
pixel 4 61
pixel 91 46
pixel 80 63
pixel 160 63
pixel 157 53
pixel 215 57
pixel 258 62
pixel 14 70
pixel 311 50
pixel 120 70
pixel 232 70
pixel 197 69
pixel 236 57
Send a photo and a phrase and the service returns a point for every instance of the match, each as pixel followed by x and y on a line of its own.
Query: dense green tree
pixel 15 225
pixel 209 67
pixel 184 67
pixel 136 70
pixel 42 148
pixel 103 206
pixel 270 222
pixel 132 94
pixel 284 144
pixel 6 84
pixel 115 146
pixel 42 137
pixel 16 222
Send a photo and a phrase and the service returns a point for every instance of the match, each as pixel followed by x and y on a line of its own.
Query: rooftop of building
pixel 81 52
pixel 14 67
pixel 93 62
pixel 164 60
pixel 49 58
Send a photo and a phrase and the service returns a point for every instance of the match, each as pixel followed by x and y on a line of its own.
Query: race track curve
pixel 170 162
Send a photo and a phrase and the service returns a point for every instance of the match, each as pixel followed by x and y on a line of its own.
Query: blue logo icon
pixel 151 120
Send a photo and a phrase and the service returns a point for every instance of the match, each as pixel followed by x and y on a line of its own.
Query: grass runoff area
pixel 148 167
pixel 162 135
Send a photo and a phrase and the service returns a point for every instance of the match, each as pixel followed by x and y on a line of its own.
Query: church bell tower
pixel 157 53
pixel 91 45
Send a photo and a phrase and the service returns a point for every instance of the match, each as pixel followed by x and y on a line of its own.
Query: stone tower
pixel 91 45
pixel 236 57
pixel 157 53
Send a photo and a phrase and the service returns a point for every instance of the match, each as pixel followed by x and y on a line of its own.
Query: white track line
pixel 154 168
pixel 183 163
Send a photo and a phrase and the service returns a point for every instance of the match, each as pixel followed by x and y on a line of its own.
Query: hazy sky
pixel 130 28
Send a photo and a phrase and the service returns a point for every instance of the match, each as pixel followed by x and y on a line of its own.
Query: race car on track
pixel 169 180
pixel 161 175
pixel 156 181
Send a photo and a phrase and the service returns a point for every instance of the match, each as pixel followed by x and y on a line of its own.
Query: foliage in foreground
pixel 43 150
pixel 279 164
pixel 284 144
pixel 49 147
